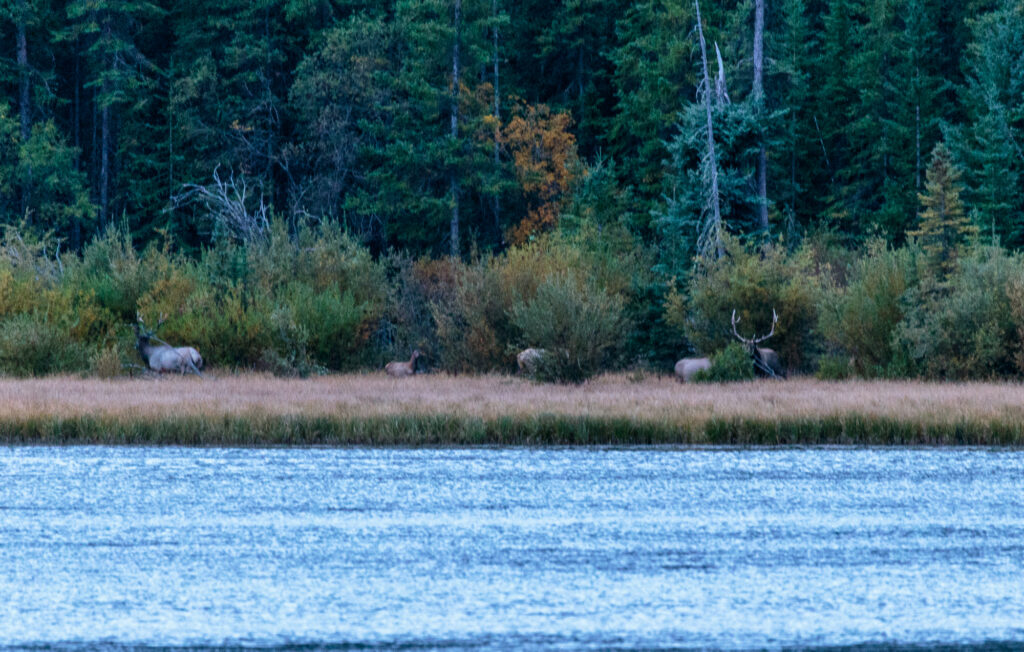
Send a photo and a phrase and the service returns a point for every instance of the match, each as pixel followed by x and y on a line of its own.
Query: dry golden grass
pixel 488 397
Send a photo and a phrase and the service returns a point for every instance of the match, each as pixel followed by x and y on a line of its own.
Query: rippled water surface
pixel 511 548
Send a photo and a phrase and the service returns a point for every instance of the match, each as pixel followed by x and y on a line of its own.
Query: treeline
pixel 454 126
pixel 943 306
pixel 305 185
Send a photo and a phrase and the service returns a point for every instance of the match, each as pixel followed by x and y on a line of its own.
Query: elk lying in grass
pixel 163 357
pixel 687 368
pixel 529 360
pixel 400 369
pixel 766 361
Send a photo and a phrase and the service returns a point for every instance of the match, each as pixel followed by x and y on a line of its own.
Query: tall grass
pixel 435 410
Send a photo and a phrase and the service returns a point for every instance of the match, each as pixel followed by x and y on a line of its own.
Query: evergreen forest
pixel 302 186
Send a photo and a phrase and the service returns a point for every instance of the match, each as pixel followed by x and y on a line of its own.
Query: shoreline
pixel 251 410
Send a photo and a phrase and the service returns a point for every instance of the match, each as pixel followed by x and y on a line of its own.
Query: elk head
pixel 765 360
pixel 143 335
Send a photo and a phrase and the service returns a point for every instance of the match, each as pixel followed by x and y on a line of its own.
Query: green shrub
pixel 408 322
pixel 472 322
pixel 860 319
pixel 107 362
pixel 33 347
pixel 331 320
pixel 753 282
pixel 733 363
pixel 577 323
pixel 964 327
pixel 117 275
pixel 833 367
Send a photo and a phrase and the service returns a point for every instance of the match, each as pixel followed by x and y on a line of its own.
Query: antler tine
pixel 734 331
pixel 163 318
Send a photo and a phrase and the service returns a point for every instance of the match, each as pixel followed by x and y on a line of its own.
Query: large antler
pixel 756 340
pixel 142 323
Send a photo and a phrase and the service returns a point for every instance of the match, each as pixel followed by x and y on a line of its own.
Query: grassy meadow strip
pixel 440 410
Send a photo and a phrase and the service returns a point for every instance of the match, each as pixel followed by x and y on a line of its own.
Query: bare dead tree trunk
pixel 455 128
pixel 24 108
pixel 104 161
pixel 721 88
pixel 758 96
pixel 757 92
pixel 268 89
pixel 76 224
pixel 170 130
pixel 23 80
pixel 580 98
pixel 917 137
pixel 716 225
pixel 496 200
pixel 105 138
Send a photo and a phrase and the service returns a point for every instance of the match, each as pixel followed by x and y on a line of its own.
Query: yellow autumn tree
pixel 543 153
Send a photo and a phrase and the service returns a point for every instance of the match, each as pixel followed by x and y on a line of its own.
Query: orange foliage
pixel 543 153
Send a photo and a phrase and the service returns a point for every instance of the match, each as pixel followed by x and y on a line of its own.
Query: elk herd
pixel 162 357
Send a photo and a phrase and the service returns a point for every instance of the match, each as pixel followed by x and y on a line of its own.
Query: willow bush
pixel 969 325
pixel 753 282
pixel 576 323
pixel 858 320
pixel 733 363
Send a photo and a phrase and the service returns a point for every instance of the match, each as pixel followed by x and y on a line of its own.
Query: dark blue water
pixel 511 548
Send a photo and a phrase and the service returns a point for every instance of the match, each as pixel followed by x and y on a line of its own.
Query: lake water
pixel 500 548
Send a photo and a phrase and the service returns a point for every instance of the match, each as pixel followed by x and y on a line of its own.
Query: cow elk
pixel 162 357
pixel 401 369
pixel 687 368
pixel 529 360
pixel 766 361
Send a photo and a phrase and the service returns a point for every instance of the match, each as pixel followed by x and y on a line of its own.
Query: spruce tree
pixel 791 48
pixel 913 88
pixel 991 143
pixel 118 72
pixel 653 73
pixel 943 225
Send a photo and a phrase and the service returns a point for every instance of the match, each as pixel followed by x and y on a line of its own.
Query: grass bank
pixel 253 410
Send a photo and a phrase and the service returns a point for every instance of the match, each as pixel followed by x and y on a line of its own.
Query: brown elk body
pixel 766 361
pixel 687 368
pixel 400 369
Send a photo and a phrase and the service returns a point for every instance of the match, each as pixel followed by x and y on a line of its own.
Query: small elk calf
pixel 400 369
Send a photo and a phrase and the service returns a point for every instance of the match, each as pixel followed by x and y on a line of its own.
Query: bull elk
pixel 162 357
pixel 765 360
pixel 400 369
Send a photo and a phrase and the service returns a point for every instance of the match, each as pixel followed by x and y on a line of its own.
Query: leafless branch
pixel 227 203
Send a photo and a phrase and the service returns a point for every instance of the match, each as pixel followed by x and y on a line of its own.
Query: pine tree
pixel 943 224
